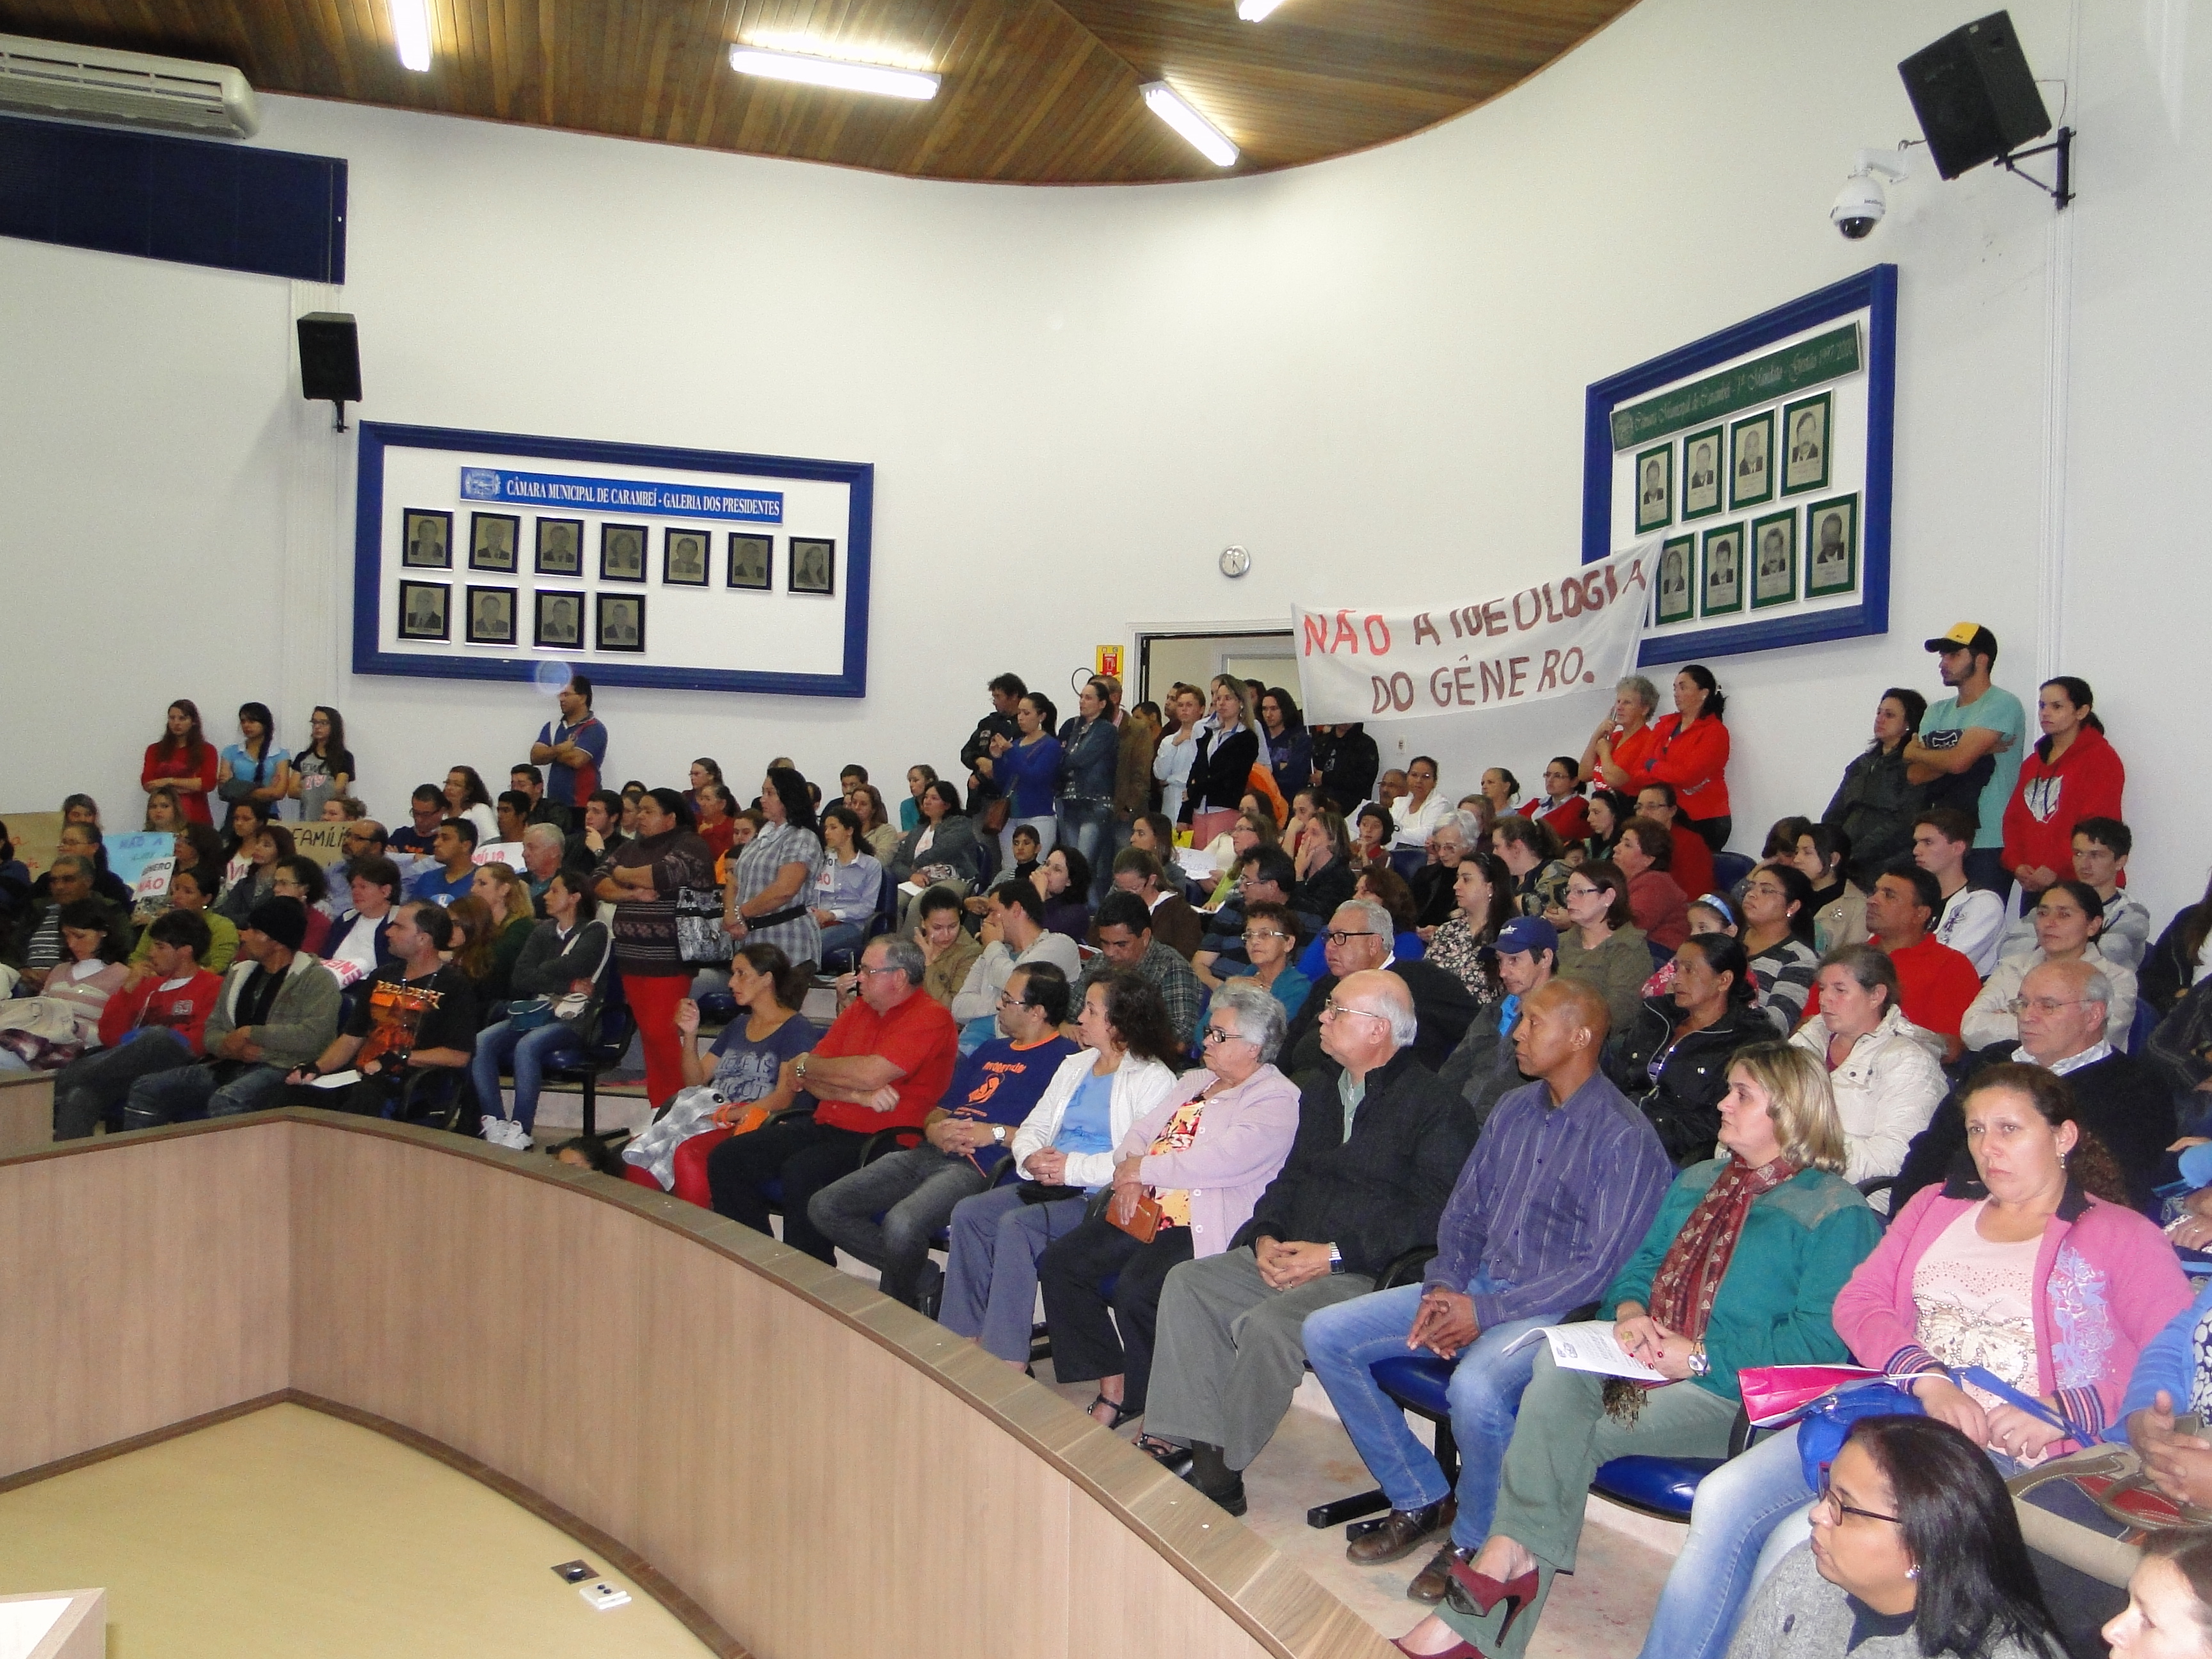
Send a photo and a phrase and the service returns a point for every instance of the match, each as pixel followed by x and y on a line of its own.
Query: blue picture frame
pixel 368 598
pixel 1874 291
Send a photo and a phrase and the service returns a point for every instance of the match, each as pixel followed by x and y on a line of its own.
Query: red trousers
pixel 691 1173
pixel 653 1000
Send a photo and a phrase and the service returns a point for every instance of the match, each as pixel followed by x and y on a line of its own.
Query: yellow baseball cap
pixel 1966 636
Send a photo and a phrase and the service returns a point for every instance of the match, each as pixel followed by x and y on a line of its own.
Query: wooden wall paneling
pixel 27 1112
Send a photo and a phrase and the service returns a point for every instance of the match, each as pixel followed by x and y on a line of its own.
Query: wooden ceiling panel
pixel 1033 91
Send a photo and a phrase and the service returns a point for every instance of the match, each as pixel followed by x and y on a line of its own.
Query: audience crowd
pixel 1240 1053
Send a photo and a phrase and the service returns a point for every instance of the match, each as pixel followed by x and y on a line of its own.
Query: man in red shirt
pixel 1936 984
pixel 1692 868
pixel 157 1021
pixel 881 1066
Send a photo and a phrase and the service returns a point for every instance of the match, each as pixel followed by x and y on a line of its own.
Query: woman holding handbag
pixel 558 983
pixel 643 878
pixel 2036 1273
pixel 1740 1268
pixel 1186 1177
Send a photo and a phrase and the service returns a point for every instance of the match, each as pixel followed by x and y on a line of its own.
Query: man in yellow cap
pixel 1969 747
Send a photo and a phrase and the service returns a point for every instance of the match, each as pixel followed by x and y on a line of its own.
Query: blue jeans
pixel 839 937
pixel 1087 826
pixel 190 1092
pixel 991 1275
pixel 1343 1342
pixel 1739 1506
pixel 527 1053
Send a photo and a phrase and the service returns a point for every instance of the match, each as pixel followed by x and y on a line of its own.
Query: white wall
pixel 1075 397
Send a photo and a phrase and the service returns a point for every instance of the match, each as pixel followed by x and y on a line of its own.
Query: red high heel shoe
pixel 1463 1650
pixel 1482 1592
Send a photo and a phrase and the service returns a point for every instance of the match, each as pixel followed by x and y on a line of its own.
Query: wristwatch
pixel 1335 1260
pixel 999 1133
pixel 1699 1366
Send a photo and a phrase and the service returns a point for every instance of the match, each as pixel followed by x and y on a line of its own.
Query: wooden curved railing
pixel 800 1467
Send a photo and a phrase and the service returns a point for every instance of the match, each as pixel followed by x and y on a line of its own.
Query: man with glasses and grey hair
pixel 2061 1008
pixel 1361 937
pixel 1557 1193
pixel 886 1213
pixel 1380 1142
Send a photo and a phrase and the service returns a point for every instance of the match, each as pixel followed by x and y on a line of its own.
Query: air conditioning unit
pixel 89 83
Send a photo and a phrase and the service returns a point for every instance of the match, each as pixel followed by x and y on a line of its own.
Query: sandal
pixel 1121 1413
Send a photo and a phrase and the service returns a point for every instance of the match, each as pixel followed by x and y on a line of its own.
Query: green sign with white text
pixel 1809 362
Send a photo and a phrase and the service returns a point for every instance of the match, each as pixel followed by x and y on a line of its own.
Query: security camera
pixel 1861 201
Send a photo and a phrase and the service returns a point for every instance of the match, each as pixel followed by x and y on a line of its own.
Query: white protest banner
pixel 1563 636
pixel 152 881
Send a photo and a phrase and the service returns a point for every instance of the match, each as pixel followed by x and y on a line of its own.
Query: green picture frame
pixel 1828 577
pixel 1701 500
pixel 1773 559
pixel 1807 438
pixel 1675 594
pixel 1751 464
pixel 1653 483
pixel 1720 571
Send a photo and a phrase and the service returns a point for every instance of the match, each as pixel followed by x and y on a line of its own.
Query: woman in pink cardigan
pixel 1205 1155
pixel 2037 1271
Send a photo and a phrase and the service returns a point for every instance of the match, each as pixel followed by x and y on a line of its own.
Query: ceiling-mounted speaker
pixel 1975 96
pixel 329 360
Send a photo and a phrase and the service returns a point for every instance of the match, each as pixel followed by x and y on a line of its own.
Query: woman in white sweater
pixel 1887 1081
pixel 2067 919
pixel 1064 1148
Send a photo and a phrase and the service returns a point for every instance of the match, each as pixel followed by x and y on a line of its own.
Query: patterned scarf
pixel 1690 1276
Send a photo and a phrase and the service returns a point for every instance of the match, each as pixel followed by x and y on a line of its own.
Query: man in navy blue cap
pixel 1483 1067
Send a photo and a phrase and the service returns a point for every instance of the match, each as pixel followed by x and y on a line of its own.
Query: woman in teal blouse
pixel 1741 1267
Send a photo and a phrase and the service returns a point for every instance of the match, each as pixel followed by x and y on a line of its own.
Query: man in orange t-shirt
pixel 883 1065
pixel 1936 984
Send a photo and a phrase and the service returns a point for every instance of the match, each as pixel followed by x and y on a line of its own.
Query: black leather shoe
pixel 1213 1477
pixel 1398 1534
pixel 1429 1583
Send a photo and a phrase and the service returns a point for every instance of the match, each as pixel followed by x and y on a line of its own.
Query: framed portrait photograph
pixel 1721 579
pixel 620 621
pixel 493 537
pixel 1751 460
pixel 1832 547
pixel 560 622
pixel 1704 454
pixel 491 616
pixel 813 565
pixel 1805 445
pixel 560 547
pixel 752 560
pixel 1678 564
pixel 423 611
pixel 1655 488
pixel 621 552
pixel 426 539
pixel 1773 560
pixel 683 555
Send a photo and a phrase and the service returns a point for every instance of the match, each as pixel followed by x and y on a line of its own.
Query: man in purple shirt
pixel 1555 1196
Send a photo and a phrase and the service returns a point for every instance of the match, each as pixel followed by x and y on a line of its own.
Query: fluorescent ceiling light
pixel 833 72
pixel 1253 11
pixel 410 33
pixel 1205 138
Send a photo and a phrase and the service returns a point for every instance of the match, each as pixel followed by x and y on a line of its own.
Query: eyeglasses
pixel 2041 1004
pixel 1338 935
pixel 1828 1497
pixel 1769 889
pixel 1253 934
pixel 1215 1034
pixel 865 972
pixel 1005 1001
pixel 1333 1007
pixel 1574 891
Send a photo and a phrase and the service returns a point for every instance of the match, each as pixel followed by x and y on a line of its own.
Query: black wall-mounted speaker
pixel 330 358
pixel 1975 96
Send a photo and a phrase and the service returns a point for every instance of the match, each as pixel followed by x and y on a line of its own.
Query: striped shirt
pixel 1551 1202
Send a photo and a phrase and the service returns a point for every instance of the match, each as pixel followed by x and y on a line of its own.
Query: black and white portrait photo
pixel 491 616
pixel 492 538
pixel 684 558
pixel 560 622
pixel 426 539
pixel 751 560
pixel 1724 584
pixel 1832 536
pixel 1701 473
pixel 1751 469
pixel 423 611
pixel 621 552
pixel 813 565
pixel 621 621
pixel 560 547
pixel 1774 560
pixel 1655 488
pixel 1805 430
pixel 1677 560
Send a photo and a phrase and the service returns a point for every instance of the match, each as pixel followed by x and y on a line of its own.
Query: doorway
pixel 1265 654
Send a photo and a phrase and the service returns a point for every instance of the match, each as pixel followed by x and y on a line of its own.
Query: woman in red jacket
pixel 2073 774
pixel 1690 750
pixel 183 761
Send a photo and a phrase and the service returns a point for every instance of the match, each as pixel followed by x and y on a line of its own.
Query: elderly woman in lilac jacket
pixel 1204 1156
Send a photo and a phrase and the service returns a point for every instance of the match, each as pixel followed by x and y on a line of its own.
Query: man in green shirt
pixel 1979 723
